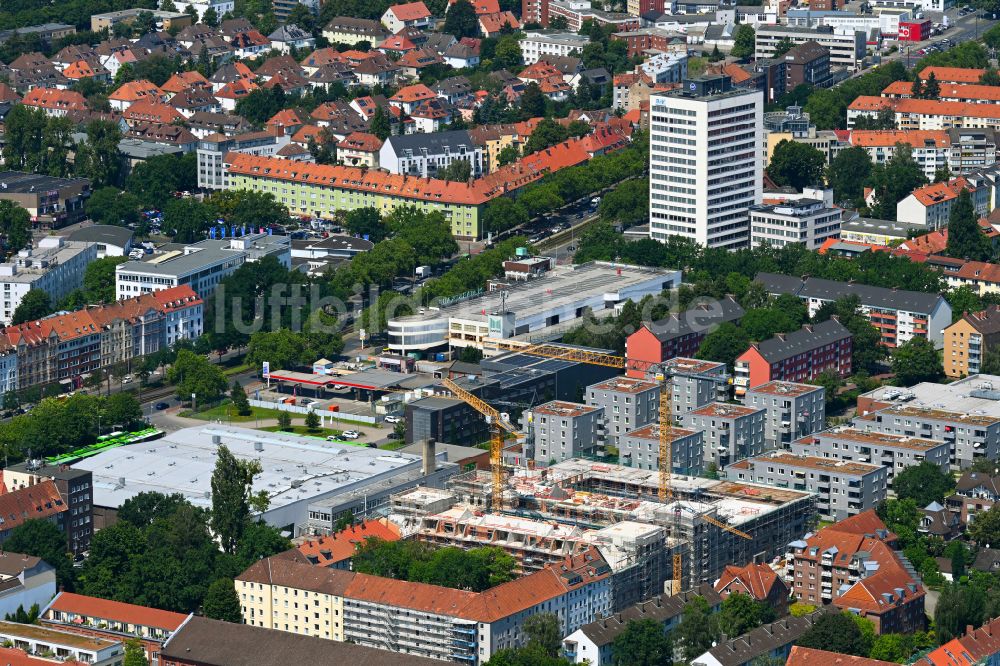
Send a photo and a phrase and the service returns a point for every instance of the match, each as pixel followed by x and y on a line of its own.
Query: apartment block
pixel 536 45
pixel 800 356
pixel 705 170
pixel 846 45
pixel 75 488
pixel 286 593
pixel 894 452
pixel 930 205
pixel 26 580
pixel 792 410
pixel 807 63
pixel 213 169
pixel 55 266
pixel 930 148
pixel 62 645
pixel 805 222
pixel 898 314
pixel 640 448
pixel 853 566
pixel 201 266
pixel 969 436
pixel 424 155
pixel 565 430
pixel 677 335
pixel 694 383
pixel 842 488
pixel 732 432
pixel 968 340
pixel 628 404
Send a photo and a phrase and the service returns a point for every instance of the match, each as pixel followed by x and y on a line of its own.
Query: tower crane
pixel 499 428
pixel 665 459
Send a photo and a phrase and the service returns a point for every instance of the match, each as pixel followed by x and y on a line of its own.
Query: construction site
pixel 548 512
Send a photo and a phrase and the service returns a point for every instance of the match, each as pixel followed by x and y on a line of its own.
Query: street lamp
pixel 194 401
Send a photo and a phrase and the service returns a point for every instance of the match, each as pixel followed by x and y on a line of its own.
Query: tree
pixel 211 17
pixel 135 654
pixel 98 158
pixel 239 398
pixel 740 613
pixel 831 382
pixel 783 47
pixel 99 279
pixel 847 174
pixel 122 408
pixel 544 630
pixel 247 208
pixel 867 351
pixel 187 219
pixel 509 155
pixel 932 88
pixel 109 205
pixel 532 102
pixel 965 239
pixel 723 345
pixel 991 361
pixel 990 77
pixel 923 483
pixel 232 497
pixel 508 52
pixel 796 165
pixel 642 643
pixel 459 170
pixel 366 222
pixel 380 125
pixel 193 374
pixel 958 607
pixel 504 213
pixel 34 305
pixel 145 507
pixel 985 527
pixel 835 632
pixel 312 420
pixel 41 538
pixel 894 181
pixel 697 630
pixel 15 226
pixel 461 20
pixel 744 40
pixel 222 602
pixel 284 421
pixel 916 360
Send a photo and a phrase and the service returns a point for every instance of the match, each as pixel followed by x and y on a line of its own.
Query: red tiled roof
pixel 397 43
pixel 889 138
pixel 756 579
pixel 16 657
pixel 103 609
pixel 286 118
pixel 482 6
pixel 176 298
pixel 184 80
pixel 51 98
pixel 154 111
pixel 411 11
pixel 81 69
pixel 801 656
pixel 39 501
pixel 937 193
pixel 134 91
pixel 953 74
pixel 328 550
pixel 931 243
pixel 494 23
pixel 237 89
pixel 361 141
pixel 870 103
pixel 414 93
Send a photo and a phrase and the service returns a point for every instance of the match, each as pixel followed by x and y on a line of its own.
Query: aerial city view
pixel 500 332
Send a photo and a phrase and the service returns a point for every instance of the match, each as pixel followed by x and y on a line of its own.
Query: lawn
pixel 226 412
pixel 321 433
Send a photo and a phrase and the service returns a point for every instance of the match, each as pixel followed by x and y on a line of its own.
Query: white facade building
pixel 705 169
pixel 202 265
pixel 806 221
pixel 56 267
pixel 201 6
pixel 537 45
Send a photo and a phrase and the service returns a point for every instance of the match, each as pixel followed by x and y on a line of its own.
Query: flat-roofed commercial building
pixel 51 202
pixel 846 45
pixel 844 488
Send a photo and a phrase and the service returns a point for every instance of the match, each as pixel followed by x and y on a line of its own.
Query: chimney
pixel 430 463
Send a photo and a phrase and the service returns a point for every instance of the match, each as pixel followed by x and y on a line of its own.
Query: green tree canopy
pixel 847 174
pixel 965 239
pixel 222 602
pixel 232 497
pixel 894 181
pixel 15 226
pixel 34 305
pixel 740 613
pixel 916 360
pixel 743 41
pixel 697 630
pixel 923 483
pixel 193 374
pixel 796 165
pixel 643 643
pixel 41 538
pixel 835 632
pixel 461 20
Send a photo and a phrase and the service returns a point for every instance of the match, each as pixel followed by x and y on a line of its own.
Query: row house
pixel 854 566
pixel 54 102
pixel 899 315
pixel 799 356
pixel 976 646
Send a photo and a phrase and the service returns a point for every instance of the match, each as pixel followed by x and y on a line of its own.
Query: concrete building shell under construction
pixel 595 495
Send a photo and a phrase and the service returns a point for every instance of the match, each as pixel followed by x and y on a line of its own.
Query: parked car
pixel 372 445
pixel 393 419
pixel 160 406
pixel 350 434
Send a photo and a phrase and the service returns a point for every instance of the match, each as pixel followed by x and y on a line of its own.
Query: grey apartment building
pixel 894 452
pixel 695 383
pixel 641 449
pixel 969 436
pixel 793 410
pixel 732 432
pixel 843 488
pixel 564 430
pixel 628 404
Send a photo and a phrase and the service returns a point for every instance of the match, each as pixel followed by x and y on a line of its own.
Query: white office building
pixel 201 6
pixel 705 169
pixel 202 265
pixel 537 45
pixel 807 222
pixel 56 267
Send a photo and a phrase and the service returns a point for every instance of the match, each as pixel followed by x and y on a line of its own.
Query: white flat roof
pixel 954 397
pixel 295 468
